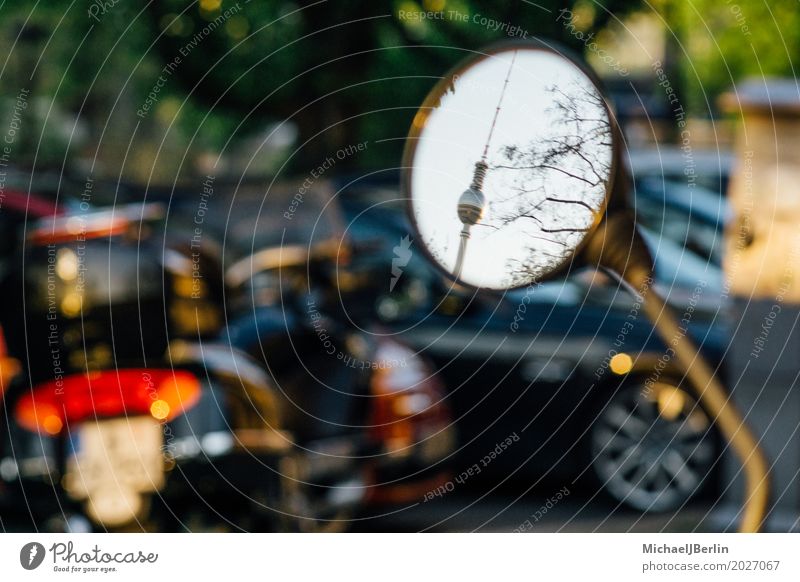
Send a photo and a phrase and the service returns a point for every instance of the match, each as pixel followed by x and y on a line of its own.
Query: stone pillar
pixel 762 271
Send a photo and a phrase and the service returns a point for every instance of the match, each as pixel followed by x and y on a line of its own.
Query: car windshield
pixel 682 228
pixel 692 217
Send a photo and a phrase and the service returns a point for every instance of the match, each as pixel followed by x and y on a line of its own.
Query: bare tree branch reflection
pixel 559 180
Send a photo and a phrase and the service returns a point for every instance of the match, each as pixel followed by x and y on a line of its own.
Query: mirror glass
pixel 508 166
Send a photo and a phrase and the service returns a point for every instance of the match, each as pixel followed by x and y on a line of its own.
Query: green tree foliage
pixel 720 42
pixel 341 72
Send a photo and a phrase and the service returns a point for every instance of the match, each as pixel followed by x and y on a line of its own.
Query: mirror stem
pixel 618 246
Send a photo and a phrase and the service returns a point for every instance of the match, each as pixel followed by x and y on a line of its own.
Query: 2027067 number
pixel 753 565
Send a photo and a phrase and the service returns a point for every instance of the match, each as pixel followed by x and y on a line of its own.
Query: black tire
pixel 652 448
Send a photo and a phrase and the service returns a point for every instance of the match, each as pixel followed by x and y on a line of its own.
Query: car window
pixel 693 218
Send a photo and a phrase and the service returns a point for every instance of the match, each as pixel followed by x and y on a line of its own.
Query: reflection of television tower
pixel 470 210
pixel 472 202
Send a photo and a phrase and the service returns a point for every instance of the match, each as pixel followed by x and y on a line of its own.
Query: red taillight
pixel 78 228
pixel 163 394
pixel 408 400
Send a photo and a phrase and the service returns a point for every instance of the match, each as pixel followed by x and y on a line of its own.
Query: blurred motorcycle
pixel 342 379
pixel 125 416
pixel 139 408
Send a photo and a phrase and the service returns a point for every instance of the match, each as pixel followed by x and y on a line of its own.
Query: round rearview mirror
pixel 508 165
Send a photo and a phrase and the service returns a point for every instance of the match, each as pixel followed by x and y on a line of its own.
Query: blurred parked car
pixel 571 365
pixel 706 168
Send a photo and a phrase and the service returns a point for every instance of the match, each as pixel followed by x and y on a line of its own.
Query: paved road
pixel 458 512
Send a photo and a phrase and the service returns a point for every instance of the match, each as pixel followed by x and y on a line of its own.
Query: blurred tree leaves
pixel 343 72
pixel 719 42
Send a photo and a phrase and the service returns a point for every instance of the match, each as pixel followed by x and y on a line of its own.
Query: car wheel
pixel 652 447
